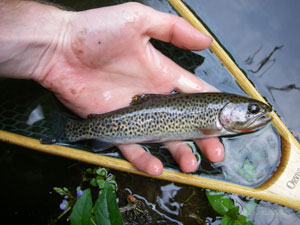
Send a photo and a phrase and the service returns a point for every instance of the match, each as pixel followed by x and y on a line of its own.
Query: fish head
pixel 244 116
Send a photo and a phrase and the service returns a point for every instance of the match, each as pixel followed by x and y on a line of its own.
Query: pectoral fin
pixel 99 146
pixel 210 132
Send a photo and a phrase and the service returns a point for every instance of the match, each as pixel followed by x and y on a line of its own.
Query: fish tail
pixel 56 132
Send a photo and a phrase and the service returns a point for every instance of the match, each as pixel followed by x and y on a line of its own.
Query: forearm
pixel 31 34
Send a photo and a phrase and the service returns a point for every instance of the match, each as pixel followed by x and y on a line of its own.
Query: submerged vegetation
pixel 29 195
pixel 95 202
pixel 223 205
pixel 84 211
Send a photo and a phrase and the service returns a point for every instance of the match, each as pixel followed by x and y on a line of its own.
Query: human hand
pixel 106 58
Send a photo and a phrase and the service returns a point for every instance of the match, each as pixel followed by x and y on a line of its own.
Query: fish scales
pixel 157 118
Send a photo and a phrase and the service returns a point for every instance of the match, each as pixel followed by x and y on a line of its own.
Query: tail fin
pixel 57 131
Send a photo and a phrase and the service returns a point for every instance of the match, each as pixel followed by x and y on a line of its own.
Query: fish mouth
pixel 256 124
pixel 263 120
pixel 259 123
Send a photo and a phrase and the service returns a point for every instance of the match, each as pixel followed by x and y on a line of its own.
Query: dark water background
pixel 263 37
pixel 252 32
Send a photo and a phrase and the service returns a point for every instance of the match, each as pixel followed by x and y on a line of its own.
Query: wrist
pixel 31 35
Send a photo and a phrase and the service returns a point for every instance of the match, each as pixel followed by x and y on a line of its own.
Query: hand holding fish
pixel 95 61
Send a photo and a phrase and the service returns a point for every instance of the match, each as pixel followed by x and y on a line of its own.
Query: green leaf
pixel 94 182
pixel 110 177
pixel 220 202
pixel 100 182
pixel 60 191
pixel 233 212
pixel 226 220
pixel 240 220
pixel 102 172
pixel 243 220
pixel 89 170
pixel 113 184
pixel 106 208
pixel 82 209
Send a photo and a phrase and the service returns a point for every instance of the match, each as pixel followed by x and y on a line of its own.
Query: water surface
pixel 263 37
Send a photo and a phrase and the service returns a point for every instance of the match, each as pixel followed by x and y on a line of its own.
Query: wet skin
pixel 108 58
pixel 96 60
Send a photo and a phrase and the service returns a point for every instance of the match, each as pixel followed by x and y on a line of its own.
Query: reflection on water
pixel 29 195
pixel 166 199
pixel 176 204
pixel 36 115
pixel 256 31
pixel 264 62
pixel 261 212
pixel 251 159
pixel 289 87
pixel 250 58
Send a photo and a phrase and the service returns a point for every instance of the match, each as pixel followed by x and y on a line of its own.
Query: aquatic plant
pixel 224 206
pixel 97 203
pixel 104 210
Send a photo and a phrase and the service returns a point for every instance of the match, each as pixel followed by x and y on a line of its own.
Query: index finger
pixel 176 30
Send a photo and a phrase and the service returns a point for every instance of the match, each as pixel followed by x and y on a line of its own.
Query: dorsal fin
pixel 138 99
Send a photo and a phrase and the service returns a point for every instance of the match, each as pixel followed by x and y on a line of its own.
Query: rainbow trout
pixel 153 118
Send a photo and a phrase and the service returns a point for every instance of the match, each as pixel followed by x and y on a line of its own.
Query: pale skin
pixel 95 61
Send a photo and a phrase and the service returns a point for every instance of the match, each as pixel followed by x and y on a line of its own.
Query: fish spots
pixel 169 117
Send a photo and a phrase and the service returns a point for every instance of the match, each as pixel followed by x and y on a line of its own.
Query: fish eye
pixel 253 108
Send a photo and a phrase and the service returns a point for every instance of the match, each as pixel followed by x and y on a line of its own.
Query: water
pixel 32 179
pixel 244 157
pixel 27 196
pixel 213 72
pixel 263 38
